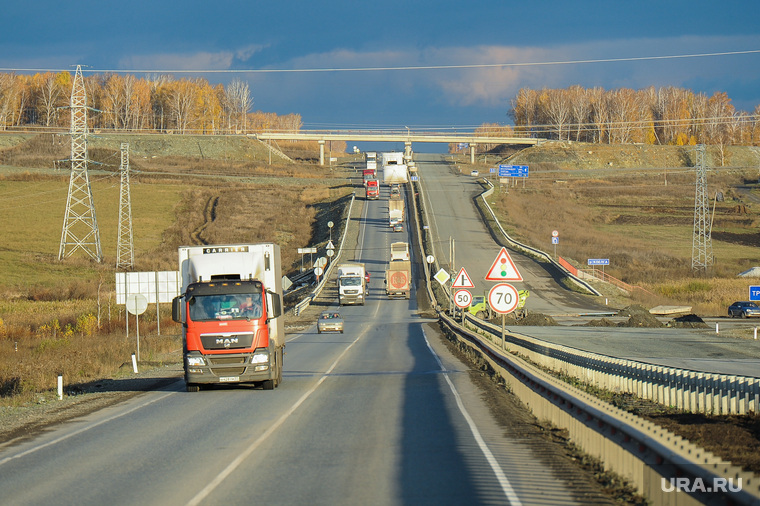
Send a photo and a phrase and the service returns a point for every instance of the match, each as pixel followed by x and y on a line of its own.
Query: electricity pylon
pixel 701 249
pixel 80 226
pixel 125 255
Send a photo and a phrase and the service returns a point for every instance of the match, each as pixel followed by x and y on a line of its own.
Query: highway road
pixel 449 195
pixel 382 414
pixel 449 198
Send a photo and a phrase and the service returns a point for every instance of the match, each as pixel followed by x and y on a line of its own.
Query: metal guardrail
pixel 318 289
pixel 685 389
pixel 655 460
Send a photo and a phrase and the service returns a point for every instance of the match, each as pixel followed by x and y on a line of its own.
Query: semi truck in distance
pixel 395 174
pixel 395 212
pixel 368 174
pixel 372 189
pixel 352 284
pixel 398 279
pixel 399 251
pixel 230 309
pixel 392 158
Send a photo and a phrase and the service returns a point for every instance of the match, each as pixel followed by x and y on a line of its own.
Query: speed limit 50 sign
pixel 503 298
pixel 462 298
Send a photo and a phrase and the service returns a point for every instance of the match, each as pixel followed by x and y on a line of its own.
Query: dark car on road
pixel 744 309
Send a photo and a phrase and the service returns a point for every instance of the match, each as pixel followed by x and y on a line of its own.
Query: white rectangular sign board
pixel 162 285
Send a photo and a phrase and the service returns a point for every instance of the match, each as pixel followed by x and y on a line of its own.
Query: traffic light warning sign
pixel 503 268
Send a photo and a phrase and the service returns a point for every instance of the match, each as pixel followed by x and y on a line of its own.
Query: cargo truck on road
pixel 352 284
pixel 230 309
pixel 372 190
pixel 399 251
pixel 398 279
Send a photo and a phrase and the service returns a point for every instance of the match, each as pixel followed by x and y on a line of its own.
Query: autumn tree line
pixel 158 103
pixel 666 116
pixel 161 103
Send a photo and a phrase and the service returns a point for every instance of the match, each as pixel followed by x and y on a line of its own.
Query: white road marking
pixel 203 494
pixel 509 492
pixel 83 429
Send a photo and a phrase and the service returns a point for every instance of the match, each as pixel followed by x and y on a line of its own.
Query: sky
pixel 436 65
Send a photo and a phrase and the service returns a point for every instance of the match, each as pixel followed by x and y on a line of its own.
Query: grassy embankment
pixel 60 317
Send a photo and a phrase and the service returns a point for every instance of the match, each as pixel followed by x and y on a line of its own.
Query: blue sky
pixel 339 34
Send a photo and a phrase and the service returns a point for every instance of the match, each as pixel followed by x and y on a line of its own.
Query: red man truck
pixel 231 314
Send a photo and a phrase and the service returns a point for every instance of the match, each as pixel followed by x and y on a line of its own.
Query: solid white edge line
pixel 83 429
pixel 204 493
pixel 509 492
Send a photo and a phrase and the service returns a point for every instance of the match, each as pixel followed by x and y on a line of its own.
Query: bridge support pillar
pixel 407 151
pixel 472 153
pixel 321 152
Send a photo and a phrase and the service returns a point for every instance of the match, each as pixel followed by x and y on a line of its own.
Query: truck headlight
pixel 260 357
pixel 195 361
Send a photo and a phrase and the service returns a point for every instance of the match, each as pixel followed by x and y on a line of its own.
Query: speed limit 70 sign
pixel 503 298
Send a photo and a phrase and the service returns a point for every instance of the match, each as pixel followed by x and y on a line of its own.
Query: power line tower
pixel 80 226
pixel 701 249
pixel 125 256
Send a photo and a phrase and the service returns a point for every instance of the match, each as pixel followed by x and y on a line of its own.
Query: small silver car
pixel 330 321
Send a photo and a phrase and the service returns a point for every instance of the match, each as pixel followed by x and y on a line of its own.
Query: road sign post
pixel 463 300
pixel 503 299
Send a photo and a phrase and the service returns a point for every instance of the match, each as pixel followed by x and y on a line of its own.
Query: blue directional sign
pixel 599 261
pixel 754 293
pixel 415 178
pixel 513 171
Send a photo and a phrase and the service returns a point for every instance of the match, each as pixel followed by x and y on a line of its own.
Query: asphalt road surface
pixel 381 414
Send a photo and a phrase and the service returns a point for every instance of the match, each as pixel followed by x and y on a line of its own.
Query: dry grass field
pixel 640 217
pixel 60 317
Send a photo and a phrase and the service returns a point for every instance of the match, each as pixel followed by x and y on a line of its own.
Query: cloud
pixel 202 60
pixel 587 64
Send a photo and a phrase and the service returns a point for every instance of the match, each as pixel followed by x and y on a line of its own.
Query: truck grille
pixel 220 341
pixel 224 360
pixel 228 371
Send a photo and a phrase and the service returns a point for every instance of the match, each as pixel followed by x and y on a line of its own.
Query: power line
pixel 399 68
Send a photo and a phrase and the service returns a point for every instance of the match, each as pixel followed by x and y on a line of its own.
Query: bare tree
pixel 239 100
pixel 50 99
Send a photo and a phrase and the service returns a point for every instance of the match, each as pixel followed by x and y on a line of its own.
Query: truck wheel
pixel 267 385
pixel 191 387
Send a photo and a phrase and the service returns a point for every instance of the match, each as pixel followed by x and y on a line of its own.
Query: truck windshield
pixel 235 306
pixel 352 281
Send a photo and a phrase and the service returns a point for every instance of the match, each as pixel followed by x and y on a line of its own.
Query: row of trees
pixel 156 103
pixel 667 115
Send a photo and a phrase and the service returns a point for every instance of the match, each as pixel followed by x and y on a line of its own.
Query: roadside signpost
pixel 462 280
pixel 463 300
pixel 754 293
pixel 503 297
pixel 599 261
pixel 503 268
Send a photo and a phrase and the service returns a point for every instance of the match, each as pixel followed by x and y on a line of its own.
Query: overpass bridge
pixel 407 137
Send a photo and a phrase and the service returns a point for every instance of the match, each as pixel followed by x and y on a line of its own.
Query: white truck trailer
pixel 399 251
